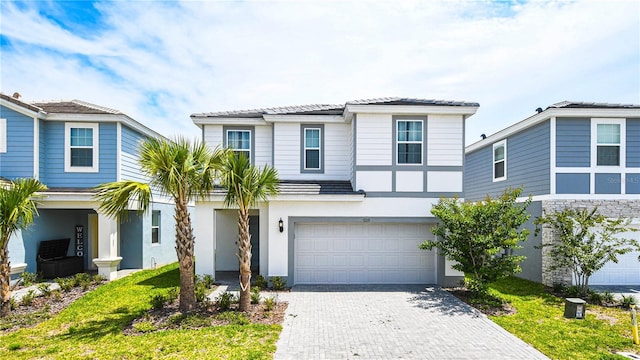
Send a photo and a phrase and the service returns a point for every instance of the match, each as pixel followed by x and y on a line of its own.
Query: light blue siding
pixel 532 265
pixel 164 252
pixel 17 162
pixel 16 249
pixel 608 183
pixel 572 183
pixel 528 154
pixel 42 130
pixel 55 175
pixel 573 142
pixel 632 183
pixel 633 142
pixel 130 168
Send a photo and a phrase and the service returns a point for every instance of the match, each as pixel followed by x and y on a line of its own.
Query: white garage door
pixel 625 272
pixel 363 253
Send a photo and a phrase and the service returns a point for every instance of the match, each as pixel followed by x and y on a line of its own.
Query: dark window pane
pixel 409 153
pixel 82 157
pixel 609 155
pixel 312 159
pixel 154 235
pixel 498 170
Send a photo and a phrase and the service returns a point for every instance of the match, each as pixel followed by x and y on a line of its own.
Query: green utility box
pixel 575 308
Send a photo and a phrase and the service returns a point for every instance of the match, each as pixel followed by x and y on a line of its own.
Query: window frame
pixel 621 145
pixel 398 142
pixel 95 147
pixel 249 130
pixel 3 136
pixel 303 148
pixel 157 227
pixel 501 143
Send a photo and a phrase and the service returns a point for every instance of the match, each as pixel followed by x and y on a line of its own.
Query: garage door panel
pixel 365 253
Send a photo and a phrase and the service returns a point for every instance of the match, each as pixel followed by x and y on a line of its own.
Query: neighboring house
pixel 72 146
pixel 358 182
pixel 571 155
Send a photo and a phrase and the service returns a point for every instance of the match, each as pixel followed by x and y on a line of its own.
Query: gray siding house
pixel 572 154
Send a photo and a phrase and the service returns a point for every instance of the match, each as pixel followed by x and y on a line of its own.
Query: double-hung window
pixel 608 145
pixel 409 142
pixel 155 227
pixel 3 135
pixel 81 147
pixel 312 150
pixel 240 142
pixel 500 160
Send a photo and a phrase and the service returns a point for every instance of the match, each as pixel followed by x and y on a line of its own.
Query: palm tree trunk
pixel 5 279
pixel 184 250
pixel 244 257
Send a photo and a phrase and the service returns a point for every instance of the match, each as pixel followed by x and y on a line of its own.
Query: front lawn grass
pixel 540 322
pixel 92 327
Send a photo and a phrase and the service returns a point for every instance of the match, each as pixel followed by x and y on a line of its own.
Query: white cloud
pixel 159 62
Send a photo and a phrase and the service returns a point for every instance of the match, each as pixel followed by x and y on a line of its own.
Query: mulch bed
pixel 491 310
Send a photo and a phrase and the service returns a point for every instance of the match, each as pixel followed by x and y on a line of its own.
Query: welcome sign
pixel 79 240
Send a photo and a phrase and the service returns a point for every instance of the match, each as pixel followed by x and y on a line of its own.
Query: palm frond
pixel 18 205
pixel 115 197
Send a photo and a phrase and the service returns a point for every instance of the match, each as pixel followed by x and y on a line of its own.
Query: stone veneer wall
pixel 609 208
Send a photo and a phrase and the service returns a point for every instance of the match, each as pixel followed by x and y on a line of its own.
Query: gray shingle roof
pixel 19 103
pixel 591 105
pixel 73 107
pixel 328 109
pixel 309 187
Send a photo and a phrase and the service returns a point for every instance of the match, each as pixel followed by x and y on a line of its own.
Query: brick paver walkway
pixel 390 322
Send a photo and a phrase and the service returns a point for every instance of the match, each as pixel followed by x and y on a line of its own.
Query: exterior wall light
pixel 281 225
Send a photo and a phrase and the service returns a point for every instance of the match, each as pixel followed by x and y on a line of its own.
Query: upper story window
pixel 240 142
pixel 500 160
pixel 312 148
pixel 409 141
pixel 608 145
pixel 81 147
pixel 155 227
pixel 3 135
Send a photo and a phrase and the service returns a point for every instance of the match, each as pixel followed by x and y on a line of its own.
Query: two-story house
pixel 571 155
pixel 358 181
pixel 72 146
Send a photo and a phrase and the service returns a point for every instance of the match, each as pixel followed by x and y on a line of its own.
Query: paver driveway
pixel 390 322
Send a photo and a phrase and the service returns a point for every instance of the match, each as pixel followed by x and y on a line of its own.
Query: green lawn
pixel 540 322
pixel 92 328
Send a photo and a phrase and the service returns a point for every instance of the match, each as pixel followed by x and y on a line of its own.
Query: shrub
pixel 559 288
pixel 172 295
pixel 28 298
pixel 45 289
pixel 57 295
pixel 234 318
pixel 13 304
pixel 269 303
pixel 157 301
pixel 608 298
pixel 98 279
pixel 255 295
pixel 277 283
pixel 201 292
pixel 627 301
pixel 28 278
pixel 66 284
pixel 14 346
pixel 144 326
pixel 260 282
pixel 207 281
pixel 195 321
pixel 224 301
pixel 594 297
pixel 573 291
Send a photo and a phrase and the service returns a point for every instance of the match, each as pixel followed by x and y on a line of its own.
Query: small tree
pixel 586 242
pixel 17 211
pixel 480 236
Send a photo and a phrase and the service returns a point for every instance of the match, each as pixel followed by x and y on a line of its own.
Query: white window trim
pixel 156 227
pixel 421 142
pixel 594 142
pixel 67 147
pixel 493 163
pixel 239 150
pixel 3 136
pixel 319 148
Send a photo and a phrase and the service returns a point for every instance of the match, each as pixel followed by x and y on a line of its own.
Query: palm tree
pixel 246 185
pixel 180 170
pixel 17 210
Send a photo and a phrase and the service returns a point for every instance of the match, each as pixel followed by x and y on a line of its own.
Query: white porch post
pixel 205 243
pixel 108 242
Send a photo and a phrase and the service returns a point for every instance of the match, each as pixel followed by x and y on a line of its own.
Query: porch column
pixel 108 241
pixel 205 243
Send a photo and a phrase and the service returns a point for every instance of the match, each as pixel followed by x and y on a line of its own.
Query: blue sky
pixel 159 62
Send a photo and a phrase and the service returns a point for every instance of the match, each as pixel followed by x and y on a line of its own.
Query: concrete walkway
pixel 390 322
